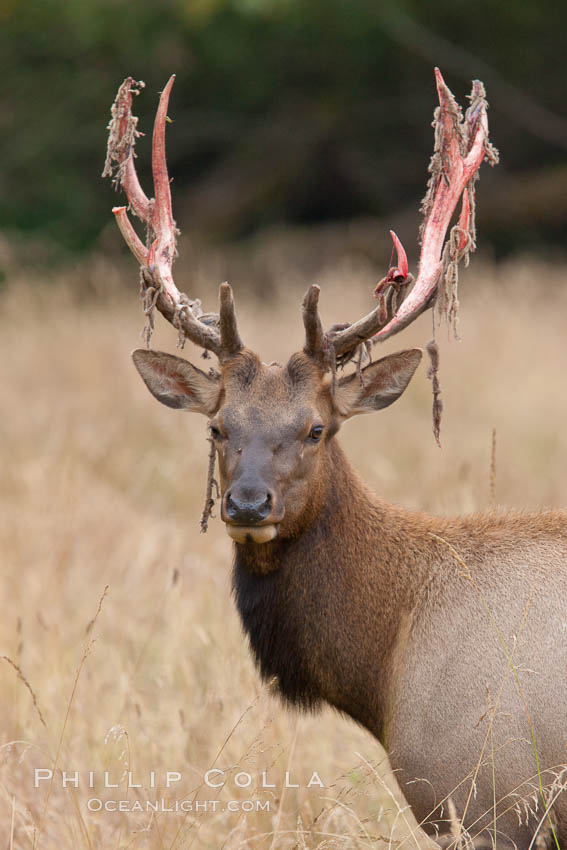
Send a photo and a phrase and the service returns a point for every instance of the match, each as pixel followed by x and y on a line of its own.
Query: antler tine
pixel 163 248
pixel 156 261
pixel 230 341
pixel 460 148
pixel 123 132
pixel 315 340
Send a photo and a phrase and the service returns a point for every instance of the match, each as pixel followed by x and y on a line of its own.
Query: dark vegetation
pixel 285 111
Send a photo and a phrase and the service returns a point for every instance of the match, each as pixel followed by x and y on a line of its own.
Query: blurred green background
pixel 285 112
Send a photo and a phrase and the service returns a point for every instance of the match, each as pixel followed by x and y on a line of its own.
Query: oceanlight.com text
pixel 161 806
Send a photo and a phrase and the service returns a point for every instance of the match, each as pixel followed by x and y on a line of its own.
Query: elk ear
pixel 176 382
pixel 382 383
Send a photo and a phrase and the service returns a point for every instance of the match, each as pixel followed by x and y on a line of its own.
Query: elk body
pixel 445 638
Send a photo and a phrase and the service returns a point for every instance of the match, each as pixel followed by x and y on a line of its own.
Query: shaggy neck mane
pixel 300 598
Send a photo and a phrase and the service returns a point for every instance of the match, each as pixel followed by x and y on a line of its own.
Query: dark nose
pixel 249 510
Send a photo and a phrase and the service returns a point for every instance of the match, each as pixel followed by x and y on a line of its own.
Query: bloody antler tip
pixel 169 84
pixel 443 91
pixel 401 254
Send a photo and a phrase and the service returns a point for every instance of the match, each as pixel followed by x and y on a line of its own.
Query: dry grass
pixel 102 486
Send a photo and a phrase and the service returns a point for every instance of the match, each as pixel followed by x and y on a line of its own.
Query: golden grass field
pixel 102 487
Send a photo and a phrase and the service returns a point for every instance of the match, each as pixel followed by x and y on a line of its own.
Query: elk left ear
pixel 382 383
pixel 176 382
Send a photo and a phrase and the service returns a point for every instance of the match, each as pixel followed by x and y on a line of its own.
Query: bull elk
pixel 445 638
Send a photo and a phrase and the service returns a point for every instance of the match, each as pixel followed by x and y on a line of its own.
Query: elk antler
pixel 460 148
pixel 211 332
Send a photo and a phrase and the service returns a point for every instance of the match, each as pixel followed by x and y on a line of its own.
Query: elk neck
pixel 325 610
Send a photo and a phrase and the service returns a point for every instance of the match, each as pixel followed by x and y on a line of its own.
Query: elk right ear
pixel 379 384
pixel 177 383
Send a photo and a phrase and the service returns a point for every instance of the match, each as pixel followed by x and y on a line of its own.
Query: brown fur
pixel 445 638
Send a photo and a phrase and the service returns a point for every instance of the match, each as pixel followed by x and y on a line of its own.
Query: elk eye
pixel 215 432
pixel 316 433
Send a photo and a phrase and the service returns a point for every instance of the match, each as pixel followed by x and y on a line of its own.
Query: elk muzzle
pixel 250 514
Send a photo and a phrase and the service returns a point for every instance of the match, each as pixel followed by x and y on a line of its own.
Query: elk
pixel 445 638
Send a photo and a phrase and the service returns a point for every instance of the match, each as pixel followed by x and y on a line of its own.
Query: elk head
pixel 272 425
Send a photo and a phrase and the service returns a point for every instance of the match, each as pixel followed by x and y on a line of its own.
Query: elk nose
pixel 248 511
